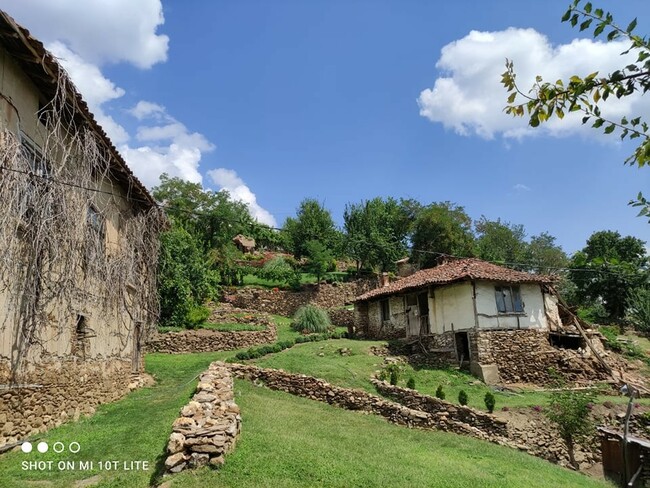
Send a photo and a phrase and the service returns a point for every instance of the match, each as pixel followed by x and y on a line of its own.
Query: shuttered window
pixel 508 299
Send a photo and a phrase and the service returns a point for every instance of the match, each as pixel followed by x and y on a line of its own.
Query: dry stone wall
pixel 57 391
pixel 208 426
pixel 446 419
pixel 204 340
pixel 455 413
pixel 285 303
pixel 527 356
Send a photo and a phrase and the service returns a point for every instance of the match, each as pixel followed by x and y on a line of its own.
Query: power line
pixel 173 208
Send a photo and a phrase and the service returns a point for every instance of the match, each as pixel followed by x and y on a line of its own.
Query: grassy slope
pixel 287 441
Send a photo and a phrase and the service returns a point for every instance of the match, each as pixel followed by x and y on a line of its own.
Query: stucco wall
pixel 534 316
pixel 393 328
pixel 454 309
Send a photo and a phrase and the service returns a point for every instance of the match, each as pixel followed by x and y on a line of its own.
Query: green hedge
pixel 258 352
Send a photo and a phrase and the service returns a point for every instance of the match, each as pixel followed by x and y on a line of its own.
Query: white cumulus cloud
pixel 227 179
pixel 99 31
pixel 469 98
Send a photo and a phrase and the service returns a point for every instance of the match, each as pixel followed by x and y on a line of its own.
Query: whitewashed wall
pixel 534 316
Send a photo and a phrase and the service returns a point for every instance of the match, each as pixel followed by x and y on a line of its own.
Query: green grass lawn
pixel 305 279
pixel 286 442
pixel 222 327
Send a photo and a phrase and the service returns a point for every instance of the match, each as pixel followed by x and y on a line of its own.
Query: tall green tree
pixel 543 255
pixel 319 259
pixel 313 222
pixel 501 242
pixel 608 269
pixel 589 92
pixel 376 232
pixel 441 228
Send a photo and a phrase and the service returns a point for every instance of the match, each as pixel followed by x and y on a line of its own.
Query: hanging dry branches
pixel 71 238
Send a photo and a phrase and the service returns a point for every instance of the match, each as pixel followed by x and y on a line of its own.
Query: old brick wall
pixel 58 391
pixel 285 303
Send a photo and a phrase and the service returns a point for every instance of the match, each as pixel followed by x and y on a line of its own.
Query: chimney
pixel 384 280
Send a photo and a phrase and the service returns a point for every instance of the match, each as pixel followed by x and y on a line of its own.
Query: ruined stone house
pixel 467 310
pixel 78 249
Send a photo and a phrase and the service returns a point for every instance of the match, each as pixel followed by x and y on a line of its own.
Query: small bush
pixel 391 373
pixel 489 401
pixel 440 393
pixel 411 383
pixel 242 356
pixel 312 319
pixel 394 377
pixel 196 316
pixel 611 335
pixel 462 397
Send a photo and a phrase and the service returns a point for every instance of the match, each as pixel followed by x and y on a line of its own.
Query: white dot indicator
pixel 58 447
pixel 42 447
pixel 74 447
pixel 26 447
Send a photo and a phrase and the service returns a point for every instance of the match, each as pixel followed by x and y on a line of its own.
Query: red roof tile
pixel 457 270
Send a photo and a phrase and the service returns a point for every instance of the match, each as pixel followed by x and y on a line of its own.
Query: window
pixel 34 157
pixel 97 227
pixel 508 299
pixel 385 310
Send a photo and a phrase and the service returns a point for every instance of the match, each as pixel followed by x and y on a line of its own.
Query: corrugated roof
pixel 456 270
pixel 44 71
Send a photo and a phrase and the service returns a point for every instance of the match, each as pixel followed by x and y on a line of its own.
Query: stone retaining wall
pixel 457 413
pixel 285 303
pixel 204 340
pixel 208 426
pixel 527 356
pixel 57 391
pixel 317 389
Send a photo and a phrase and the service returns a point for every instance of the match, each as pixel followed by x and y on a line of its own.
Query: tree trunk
pixel 570 449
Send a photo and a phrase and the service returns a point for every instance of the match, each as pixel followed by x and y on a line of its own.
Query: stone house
pixel 78 249
pixel 460 308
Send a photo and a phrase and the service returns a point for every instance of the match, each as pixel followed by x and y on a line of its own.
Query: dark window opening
pixel 385 310
pixel 80 339
pixel 566 341
pixel 508 299
pixel 43 113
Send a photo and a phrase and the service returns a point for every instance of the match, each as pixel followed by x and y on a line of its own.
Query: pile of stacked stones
pixel 209 424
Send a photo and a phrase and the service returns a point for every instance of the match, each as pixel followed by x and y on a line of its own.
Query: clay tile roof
pixel 43 69
pixel 457 270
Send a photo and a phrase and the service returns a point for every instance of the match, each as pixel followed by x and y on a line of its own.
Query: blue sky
pixel 347 100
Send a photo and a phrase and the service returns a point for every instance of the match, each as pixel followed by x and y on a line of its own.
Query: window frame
pixel 508 300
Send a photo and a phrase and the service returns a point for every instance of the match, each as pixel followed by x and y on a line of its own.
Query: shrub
pixel 312 319
pixel 411 383
pixel 489 401
pixel 197 315
pixel 638 312
pixel 611 334
pixel 391 372
pixel 242 356
pixel 462 397
pixel 440 393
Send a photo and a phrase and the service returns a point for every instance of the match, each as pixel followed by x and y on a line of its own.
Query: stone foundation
pixel 203 340
pixel 526 356
pixel 58 391
pixel 209 424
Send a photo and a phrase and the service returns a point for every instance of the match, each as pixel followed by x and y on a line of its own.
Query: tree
pixel 586 94
pixel 319 259
pixel 376 232
pixel 569 410
pixel 607 269
pixel 313 222
pixel 441 228
pixel 500 242
pixel 184 278
pixel 638 312
pixel 544 256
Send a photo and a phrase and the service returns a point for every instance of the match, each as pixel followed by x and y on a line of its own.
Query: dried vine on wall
pixel 56 260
